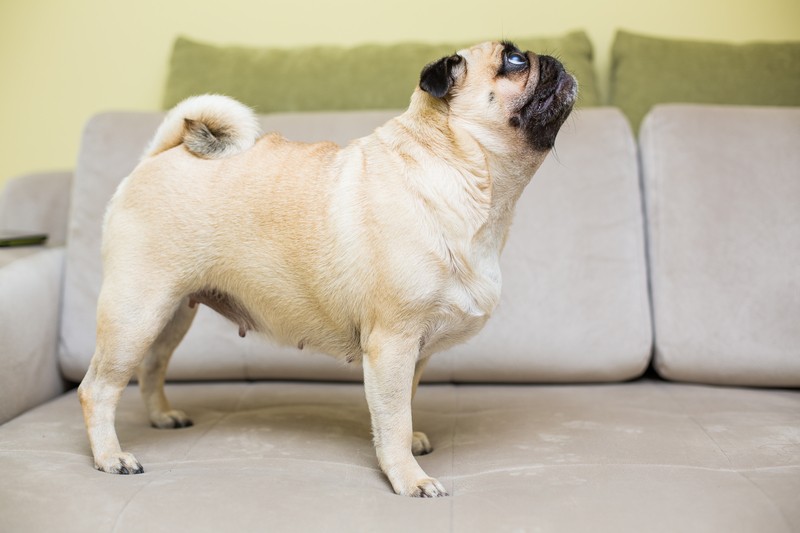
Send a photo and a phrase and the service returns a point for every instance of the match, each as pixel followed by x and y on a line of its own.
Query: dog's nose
pixel 549 69
pixel 553 76
pixel 566 84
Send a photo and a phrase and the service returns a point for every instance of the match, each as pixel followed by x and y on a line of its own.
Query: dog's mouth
pixel 541 115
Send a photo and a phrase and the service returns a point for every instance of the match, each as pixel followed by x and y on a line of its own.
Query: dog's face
pixel 512 98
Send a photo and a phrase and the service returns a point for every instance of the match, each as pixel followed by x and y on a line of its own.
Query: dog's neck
pixel 501 171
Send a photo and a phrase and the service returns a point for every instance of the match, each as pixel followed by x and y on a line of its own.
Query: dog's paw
pixel 426 488
pixel 420 445
pixel 171 420
pixel 119 463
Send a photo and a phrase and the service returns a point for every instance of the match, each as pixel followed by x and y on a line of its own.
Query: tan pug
pixel 382 252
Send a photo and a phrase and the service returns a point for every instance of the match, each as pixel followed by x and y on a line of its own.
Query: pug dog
pixel 382 252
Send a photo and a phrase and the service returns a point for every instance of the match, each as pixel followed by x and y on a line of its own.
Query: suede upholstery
pixel 25 198
pixel 30 285
pixel 723 202
pixel 646 456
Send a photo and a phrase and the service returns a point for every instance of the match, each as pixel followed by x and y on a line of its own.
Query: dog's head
pixel 502 93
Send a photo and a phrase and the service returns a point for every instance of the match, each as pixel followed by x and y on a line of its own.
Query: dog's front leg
pixel 389 366
pixel 420 445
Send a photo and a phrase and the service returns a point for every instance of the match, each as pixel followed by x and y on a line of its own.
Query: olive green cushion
pixel 336 78
pixel 646 71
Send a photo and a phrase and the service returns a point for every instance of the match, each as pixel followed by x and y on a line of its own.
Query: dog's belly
pixel 289 319
pixel 284 317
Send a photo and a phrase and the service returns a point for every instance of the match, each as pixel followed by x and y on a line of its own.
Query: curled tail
pixel 211 126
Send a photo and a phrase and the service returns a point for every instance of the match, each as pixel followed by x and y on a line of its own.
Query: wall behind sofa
pixel 63 61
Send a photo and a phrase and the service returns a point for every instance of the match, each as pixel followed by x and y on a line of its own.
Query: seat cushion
pixel 574 305
pixel 723 204
pixel 640 456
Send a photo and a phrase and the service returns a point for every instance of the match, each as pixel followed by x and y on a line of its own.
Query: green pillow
pixel 647 71
pixel 335 78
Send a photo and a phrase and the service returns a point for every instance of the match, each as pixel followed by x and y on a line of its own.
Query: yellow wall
pixel 63 60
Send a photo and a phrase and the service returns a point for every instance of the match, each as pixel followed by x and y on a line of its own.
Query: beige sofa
pixel 590 402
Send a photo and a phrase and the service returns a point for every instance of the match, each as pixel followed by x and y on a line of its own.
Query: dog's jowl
pixel 384 251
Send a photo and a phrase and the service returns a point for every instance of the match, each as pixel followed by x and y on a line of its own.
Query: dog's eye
pixel 516 59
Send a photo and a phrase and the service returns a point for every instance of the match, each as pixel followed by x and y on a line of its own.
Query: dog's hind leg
pixel 153 368
pixel 129 320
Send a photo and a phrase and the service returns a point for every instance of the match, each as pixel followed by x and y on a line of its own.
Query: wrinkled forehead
pixel 485 50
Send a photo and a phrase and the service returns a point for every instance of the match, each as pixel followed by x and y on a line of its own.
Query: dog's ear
pixel 437 78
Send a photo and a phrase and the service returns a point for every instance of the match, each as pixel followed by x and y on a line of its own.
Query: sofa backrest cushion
pixel 369 76
pixel 723 204
pixel 574 304
pixel 646 71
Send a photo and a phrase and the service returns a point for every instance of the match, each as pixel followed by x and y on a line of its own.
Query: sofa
pixel 639 374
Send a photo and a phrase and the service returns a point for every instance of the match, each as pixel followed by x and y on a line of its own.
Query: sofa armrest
pixel 30 282
pixel 37 202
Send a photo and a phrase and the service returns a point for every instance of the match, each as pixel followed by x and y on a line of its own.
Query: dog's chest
pixel 469 299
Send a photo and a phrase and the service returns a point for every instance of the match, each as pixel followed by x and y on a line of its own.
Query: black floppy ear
pixel 437 78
